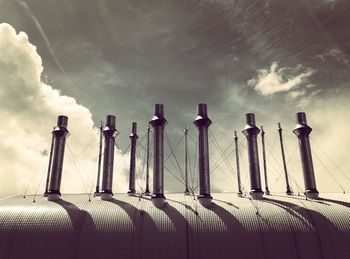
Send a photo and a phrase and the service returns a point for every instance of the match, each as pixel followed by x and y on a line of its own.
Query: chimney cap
pixel 202 110
pixel 202 116
pixel 158 118
pixel 301 118
pixel 62 121
pixel 110 121
pixel 159 110
pixel 134 127
pixel 250 119
pixel 250 127
pixel 133 131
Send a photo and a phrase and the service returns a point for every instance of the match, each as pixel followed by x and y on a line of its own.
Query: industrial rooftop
pixel 258 224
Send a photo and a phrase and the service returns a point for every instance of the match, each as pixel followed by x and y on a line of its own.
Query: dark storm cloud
pixel 183 49
pixel 182 52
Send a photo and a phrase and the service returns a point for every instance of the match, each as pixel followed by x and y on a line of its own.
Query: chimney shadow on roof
pixel 133 212
pixel 227 203
pixel 324 230
pixel 171 212
pixel 127 207
pixel 77 216
pixel 289 207
pixel 231 222
pixel 186 206
pixel 81 221
pixel 178 233
pixel 309 215
pixel 176 217
pixel 343 203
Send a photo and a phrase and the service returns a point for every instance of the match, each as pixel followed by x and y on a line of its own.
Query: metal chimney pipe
pixel 158 123
pixel 60 133
pixel 202 123
pixel 302 131
pixel 109 133
pixel 251 132
pixel 289 190
pixel 133 137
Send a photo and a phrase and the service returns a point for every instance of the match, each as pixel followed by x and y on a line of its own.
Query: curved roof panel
pixel 277 226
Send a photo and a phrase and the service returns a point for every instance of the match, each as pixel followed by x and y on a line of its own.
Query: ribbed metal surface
pixel 279 226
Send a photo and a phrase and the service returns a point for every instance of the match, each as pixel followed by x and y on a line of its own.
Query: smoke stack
pixel 109 133
pixel 158 122
pixel 202 123
pixel 133 138
pixel 302 131
pixel 251 132
pixel 60 133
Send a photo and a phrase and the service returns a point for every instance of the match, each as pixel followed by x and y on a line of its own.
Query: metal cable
pixel 85 148
pixel 38 165
pixel 329 172
pixel 332 161
pixel 167 140
pixel 78 170
pixel 222 154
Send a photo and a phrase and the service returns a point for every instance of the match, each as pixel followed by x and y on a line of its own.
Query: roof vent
pixel 60 133
pixel 109 133
pixel 202 123
pixel 302 131
pixel 251 132
pixel 133 138
pixel 158 123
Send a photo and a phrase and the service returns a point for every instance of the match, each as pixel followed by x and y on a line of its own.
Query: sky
pixel 88 59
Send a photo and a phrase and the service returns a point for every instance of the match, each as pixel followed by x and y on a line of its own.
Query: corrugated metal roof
pixel 132 227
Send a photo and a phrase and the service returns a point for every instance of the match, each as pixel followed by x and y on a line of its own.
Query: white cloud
pixel 29 109
pixel 274 80
pixel 335 54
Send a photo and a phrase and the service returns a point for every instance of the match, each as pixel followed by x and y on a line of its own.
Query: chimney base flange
pixel 147 193
pixel 205 200
pixel 159 201
pixel 131 193
pixel 289 192
pixel 105 196
pixel 257 195
pixel 53 197
pixel 311 194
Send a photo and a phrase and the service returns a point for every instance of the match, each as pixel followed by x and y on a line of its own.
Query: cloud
pixel 29 109
pixel 275 80
pixel 30 14
pixel 334 54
